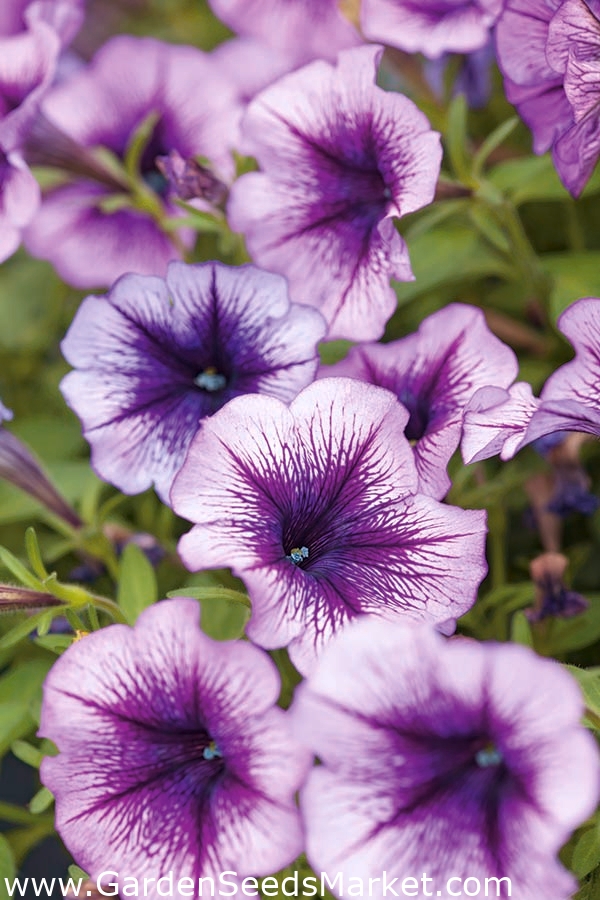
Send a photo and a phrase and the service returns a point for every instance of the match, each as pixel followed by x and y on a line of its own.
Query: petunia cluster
pixel 548 52
pixel 32 35
pixel 469 757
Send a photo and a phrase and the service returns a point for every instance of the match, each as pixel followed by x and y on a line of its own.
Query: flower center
pixel 212 752
pixel 298 555
pixel 210 380
pixel 488 756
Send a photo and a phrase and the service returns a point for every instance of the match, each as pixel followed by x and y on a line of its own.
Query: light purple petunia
pixel 316 507
pixel 29 50
pixel 89 242
pixel 300 29
pixel 434 373
pixel 548 51
pixel 451 758
pixel 172 754
pixel 156 356
pixel 340 158
pixel 431 27
pixel 501 422
pixel 250 66
pixel 64 17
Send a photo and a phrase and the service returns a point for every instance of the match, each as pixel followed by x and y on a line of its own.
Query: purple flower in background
pixel 316 508
pixel 431 27
pixel 496 421
pixel 20 467
pixel 553 598
pixel 64 17
pixel 503 422
pixel 250 66
pixel 548 53
pixel 473 79
pixel 180 760
pixel 29 51
pixel 19 201
pixel 300 29
pixel 154 357
pixel 464 760
pixel 434 373
pixel 129 80
pixel 340 159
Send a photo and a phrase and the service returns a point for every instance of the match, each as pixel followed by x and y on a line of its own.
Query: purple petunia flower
pixel 503 422
pixel 548 53
pixel 340 159
pixel 316 508
pixel 154 357
pixel 64 17
pixel 300 29
pixel 434 373
pixel 457 759
pixel 29 50
pixel 180 761
pixel 90 242
pixel 431 27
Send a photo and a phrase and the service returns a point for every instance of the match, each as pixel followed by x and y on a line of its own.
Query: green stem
pixel 523 252
pixel 497 540
pixel 109 607
pixel 9 812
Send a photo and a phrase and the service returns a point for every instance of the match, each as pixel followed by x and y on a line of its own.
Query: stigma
pixel 489 756
pixel 297 555
pixel 210 380
pixel 212 752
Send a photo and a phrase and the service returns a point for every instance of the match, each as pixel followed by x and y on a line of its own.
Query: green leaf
pixel 586 853
pixel 7 867
pixel 451 255
pixel 138 143
pixel 27 753
pixel 589 682
pixel 456 137
pixel 574 275
pixel 224 611
pixel 41 801
pixel 520 629
pixel 76 873
pixel 559 636
pixel 137 583
pixel 24 628
pixel 20 691
pixel 33 553
pixel 529 178
pixel 55 643
pixel 590 888
pixel 20 572
pixel 333 351
pixel 493 140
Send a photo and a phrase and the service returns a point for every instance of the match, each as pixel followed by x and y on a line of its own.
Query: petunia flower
pixel 552 597
pixel 316 507
pixel 434 373
pixel 91 229
pixel 340 158
pixel 451 758
pixel 302 30
pixel 172 754
pixel 20 467
pixel 28 58
pixel 548 53
pixel 154 357
pixel 431 27
pixel 502 422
